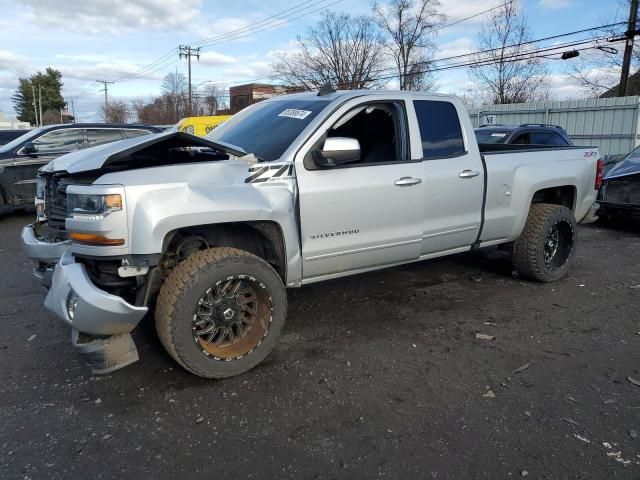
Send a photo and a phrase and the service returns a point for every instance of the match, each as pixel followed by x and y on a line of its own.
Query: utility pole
pixel 73 112
pixel 187 52
pixel 106 98
pixel 40 102
pixel 628 49
pixel 33 102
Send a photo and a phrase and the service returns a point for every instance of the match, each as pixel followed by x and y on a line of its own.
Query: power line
pixel 267 25
pixel 471 17
pixel 248 27
pixel 503 48
pixel 166 60
pixel 142 71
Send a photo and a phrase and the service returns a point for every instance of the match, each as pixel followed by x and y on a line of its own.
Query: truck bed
pixel 514 173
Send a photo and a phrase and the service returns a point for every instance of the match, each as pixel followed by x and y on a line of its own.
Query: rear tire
pixel 220 312
pixel 546 248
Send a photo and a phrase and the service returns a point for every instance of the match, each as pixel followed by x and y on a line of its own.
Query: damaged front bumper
pixel 101 322
pixel 78 302
pixel 45 254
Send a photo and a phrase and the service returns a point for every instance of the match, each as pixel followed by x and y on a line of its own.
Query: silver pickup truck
pixel 207 233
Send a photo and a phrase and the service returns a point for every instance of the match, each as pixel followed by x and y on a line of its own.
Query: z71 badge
pixel 270 173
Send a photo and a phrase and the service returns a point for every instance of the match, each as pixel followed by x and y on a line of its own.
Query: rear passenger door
pixel 453 176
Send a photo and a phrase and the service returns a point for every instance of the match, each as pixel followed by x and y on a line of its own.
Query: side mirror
pixel 336 151
pixel 30 148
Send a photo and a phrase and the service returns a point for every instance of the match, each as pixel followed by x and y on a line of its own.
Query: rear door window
pixel 541 138
pixel 440 129
pixel 100 136
pixel 521 139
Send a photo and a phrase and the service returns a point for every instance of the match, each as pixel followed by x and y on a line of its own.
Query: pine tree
pixel 50 84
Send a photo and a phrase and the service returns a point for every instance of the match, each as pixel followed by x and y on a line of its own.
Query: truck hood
pixel 628 166
pixel 114 153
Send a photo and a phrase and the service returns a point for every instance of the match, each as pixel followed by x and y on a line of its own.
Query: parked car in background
pixel 200 126
pixel 8 135
pixel 620 192
pixel 526 134
pixel 21 158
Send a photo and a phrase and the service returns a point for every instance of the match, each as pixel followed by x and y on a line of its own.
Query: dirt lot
pixel 378 375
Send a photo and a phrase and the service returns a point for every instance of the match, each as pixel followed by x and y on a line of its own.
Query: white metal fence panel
pixel 612 124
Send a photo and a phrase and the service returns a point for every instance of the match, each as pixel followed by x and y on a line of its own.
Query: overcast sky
pixel 89 40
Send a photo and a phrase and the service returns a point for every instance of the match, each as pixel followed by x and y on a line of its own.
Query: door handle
pixel 469 173
pixel 408 181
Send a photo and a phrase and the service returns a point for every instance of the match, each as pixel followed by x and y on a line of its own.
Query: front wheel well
pixel 261 238
pixel 563 195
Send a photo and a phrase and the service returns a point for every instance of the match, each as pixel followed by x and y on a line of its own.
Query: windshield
pixel 20 140
pixel 491 136
pixel 268 128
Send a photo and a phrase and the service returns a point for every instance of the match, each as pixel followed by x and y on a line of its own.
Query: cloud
pixel 459 9
pixel 554 4
pixel 460 46
pixel 215 59
pixel 14 66
pixel 250 71
pixel 99 16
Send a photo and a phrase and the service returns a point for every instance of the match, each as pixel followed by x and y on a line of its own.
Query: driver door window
pixel 59 141
pixel 377 127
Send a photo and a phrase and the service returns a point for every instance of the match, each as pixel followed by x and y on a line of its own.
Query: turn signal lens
pixel 95 239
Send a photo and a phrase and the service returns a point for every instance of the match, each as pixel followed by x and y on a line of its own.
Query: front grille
pixel 623 190
pixel 55 207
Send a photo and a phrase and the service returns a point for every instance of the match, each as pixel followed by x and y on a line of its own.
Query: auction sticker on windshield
pixel 294 113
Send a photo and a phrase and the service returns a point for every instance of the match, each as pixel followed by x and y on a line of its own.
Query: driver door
pixel 367 213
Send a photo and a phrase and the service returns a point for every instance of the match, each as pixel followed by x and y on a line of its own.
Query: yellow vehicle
pixel 200 126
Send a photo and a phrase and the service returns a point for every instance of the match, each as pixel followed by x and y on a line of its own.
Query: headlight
pixel 93 207
pixel 41 183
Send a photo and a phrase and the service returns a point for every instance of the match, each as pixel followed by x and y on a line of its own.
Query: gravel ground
pixel 377 375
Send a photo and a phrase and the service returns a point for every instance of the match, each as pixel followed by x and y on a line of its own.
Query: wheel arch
pixel 564 195
pixel 263 238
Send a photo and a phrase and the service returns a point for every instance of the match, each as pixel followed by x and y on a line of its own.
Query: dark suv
pixel 21 158
pixel 527 134
pixel 8 135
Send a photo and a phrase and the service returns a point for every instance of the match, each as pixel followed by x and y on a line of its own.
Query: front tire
pixel 220 312
pixel 546 248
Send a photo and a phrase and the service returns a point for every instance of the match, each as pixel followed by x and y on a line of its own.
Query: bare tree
pixel 409 27
pixel 116 111
pixel 507 69
pixel 213 99
pixel 174 88
pixel 51 117
pixel 341 50
pixel 159 111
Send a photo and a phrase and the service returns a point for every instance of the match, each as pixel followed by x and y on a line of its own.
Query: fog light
pixel 72 303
